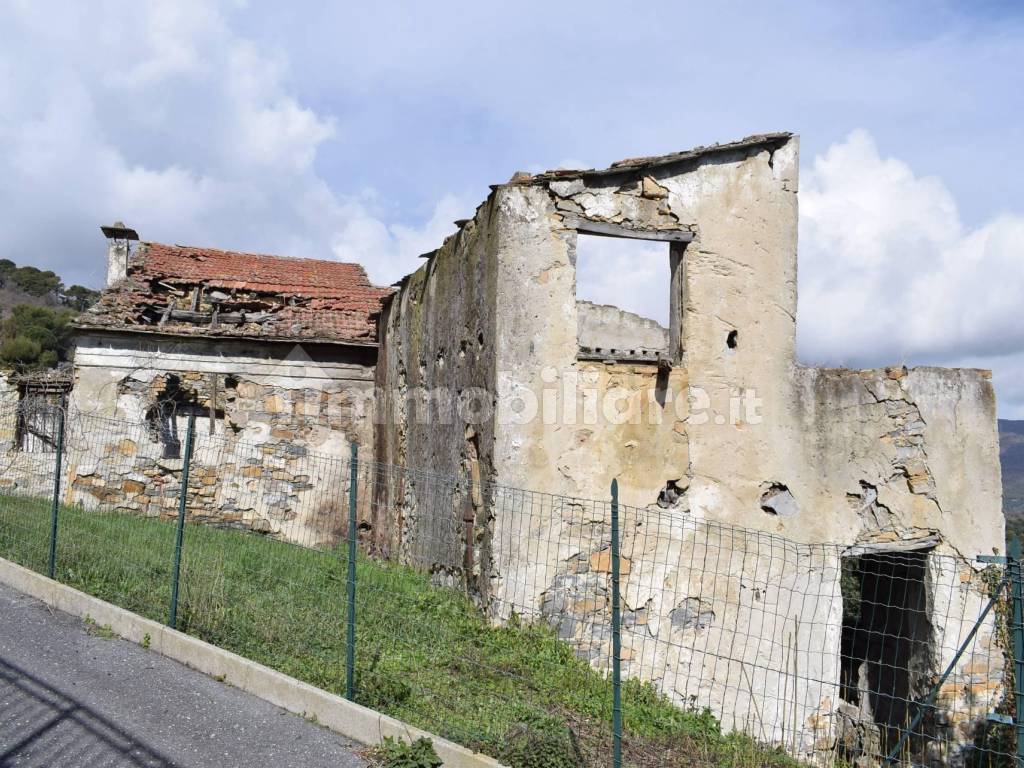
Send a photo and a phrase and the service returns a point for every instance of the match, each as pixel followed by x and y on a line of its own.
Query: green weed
pixel 424 654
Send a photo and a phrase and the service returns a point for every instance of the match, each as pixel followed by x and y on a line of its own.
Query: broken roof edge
pixel 635 164
pixel 772 139
pixel 983 373
pixel 131 330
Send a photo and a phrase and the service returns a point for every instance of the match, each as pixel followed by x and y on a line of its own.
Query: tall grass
pixel 425 654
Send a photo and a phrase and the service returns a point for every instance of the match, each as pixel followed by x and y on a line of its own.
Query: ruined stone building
pixel 267 352
pixel 896 460
pixel 483 363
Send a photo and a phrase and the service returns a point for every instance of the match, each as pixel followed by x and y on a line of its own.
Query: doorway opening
pixel 887 642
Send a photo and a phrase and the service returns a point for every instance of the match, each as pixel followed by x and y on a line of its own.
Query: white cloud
pixel 390 251
pixel 631 274
pixel 888 273
pixel 163 114
pixel 170 121
pixel 271 129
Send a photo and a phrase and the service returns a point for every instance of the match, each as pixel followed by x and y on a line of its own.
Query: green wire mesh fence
pixel 489 615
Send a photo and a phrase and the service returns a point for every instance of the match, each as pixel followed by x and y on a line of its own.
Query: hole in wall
pixel 732 339
pixel 776 499
pixel 671 496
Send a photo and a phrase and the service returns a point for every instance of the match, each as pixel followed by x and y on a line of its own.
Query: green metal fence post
pixel 51 569
pixel 350 629
pixel 616 635
pixel 172 620
pixel 1017 595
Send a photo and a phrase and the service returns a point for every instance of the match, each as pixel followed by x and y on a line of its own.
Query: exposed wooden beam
pixel 917 544
pixel 607 229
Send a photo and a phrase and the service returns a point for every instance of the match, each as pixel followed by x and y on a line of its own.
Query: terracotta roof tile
pixel 255 295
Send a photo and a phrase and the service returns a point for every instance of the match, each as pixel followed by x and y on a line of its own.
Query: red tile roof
pixel 259 295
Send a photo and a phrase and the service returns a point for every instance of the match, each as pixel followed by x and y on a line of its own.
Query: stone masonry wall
pixel 272 434
pixel 435 379
pixel 735 433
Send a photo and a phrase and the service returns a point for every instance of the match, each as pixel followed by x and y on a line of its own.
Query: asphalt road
pixel 71 697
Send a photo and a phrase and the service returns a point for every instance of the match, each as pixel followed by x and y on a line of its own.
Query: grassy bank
pixel 424 653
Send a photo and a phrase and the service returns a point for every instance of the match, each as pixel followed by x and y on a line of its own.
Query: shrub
pixel 541 742
pixel 34 337
pixel 394 753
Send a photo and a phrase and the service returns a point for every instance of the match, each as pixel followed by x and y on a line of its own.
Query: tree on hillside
pixel 36 282
pixel 34 337
pixel 80 298
pixel 44 284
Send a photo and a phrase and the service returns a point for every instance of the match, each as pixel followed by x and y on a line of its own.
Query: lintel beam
pixel 607 229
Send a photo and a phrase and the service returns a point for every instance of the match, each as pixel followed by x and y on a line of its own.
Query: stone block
pixel 132 487
pixel 601 562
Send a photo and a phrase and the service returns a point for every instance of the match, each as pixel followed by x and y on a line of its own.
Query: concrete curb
pixel 340 715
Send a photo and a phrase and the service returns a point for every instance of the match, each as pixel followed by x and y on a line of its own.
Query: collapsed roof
pixel 182 290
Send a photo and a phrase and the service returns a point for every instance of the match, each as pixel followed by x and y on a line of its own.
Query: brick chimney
pixel 117 235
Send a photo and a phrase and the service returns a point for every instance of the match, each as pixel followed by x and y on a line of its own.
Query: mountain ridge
pixel 1011 456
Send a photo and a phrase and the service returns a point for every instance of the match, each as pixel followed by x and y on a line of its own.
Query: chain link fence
pixel 543 630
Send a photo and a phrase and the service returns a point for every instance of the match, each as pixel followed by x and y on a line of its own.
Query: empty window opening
pixel 886 647
pixel 42 401
pixel 623 298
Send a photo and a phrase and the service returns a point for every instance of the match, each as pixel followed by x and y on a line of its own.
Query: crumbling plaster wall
pixel 275 459
pixel 738 274
pixel 740 205
pixel 935 427
pixel 7 389
pixel 435 377
pixel 895 454
pixel 897 457
pixel 8 412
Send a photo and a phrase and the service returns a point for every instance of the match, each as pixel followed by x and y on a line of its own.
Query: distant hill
pixel 35 310
pixel 38 288
pixel 1011 454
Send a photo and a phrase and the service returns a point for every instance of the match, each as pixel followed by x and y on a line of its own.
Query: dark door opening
pixel 886 645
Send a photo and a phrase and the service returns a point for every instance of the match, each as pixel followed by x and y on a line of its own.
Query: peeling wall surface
pixel 436 378
pixel 8 401
pixel 892 458
pixel 292 407
pixel 8 392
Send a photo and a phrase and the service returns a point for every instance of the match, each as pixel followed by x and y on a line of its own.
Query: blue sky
pixel 360 131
